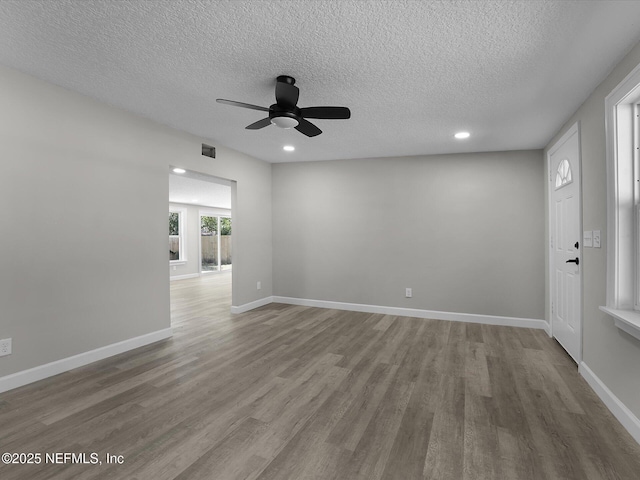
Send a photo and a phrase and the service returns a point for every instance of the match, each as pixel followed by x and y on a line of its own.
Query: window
pixel 623 200
pixel 177 221
pixel 563 175
pixel 215 242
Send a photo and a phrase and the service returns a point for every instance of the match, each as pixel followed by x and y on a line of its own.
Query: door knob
pixel 575 260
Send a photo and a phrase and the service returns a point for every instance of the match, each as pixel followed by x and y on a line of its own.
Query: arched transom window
pixel 563 175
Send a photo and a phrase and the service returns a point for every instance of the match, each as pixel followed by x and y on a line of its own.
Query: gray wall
pixel 613 355
pixel 465 232
pixel 97 178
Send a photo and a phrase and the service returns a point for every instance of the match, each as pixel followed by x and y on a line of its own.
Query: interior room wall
pixel 465 232
pixel 192 265
pixel 84 234
pixel 611 354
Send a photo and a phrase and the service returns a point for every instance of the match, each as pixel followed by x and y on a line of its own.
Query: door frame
pixel 573 130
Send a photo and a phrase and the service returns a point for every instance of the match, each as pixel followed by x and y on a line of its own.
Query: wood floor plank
pixel 356 420
pixel 372 451
pixel 288 392
pixel 311 442
pixel 507 402
pixel 447 432
pixel 222 460
pixel 476 372
pixel 385 322
pixel 283 429
pixel 550 381
pixel 406 458
pixel 518 457
pixel 474 333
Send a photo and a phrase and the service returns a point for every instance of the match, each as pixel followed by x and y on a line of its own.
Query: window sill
pixel 177 262
pixel 626 320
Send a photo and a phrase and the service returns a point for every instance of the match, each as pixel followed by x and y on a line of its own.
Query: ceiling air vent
pixel 208 151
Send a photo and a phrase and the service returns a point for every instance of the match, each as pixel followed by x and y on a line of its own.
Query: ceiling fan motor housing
pixel 286 79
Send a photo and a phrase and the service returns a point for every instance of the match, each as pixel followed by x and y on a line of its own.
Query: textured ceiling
pixel 412 72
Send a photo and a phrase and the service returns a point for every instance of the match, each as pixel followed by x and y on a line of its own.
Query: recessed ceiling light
pixel 461 135
pixel 194 200
pixel 179 170
pixel 288 148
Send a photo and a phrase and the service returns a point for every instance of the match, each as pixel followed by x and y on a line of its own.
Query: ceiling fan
pixel 285 114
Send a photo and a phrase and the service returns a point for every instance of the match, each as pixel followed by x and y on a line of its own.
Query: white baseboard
pixel 404 312
pixel 625 416
pixel 183 277
pixel 417 313
pixel 40 372
pixel 251 305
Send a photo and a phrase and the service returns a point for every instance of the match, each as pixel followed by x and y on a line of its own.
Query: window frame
pixel 564 179
pixel 623 197
pixel 182 220
pixel 636 199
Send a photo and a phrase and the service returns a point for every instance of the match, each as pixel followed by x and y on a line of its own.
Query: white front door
pixel 566 243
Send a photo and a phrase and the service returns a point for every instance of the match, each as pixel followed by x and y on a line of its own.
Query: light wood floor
pixel 286 392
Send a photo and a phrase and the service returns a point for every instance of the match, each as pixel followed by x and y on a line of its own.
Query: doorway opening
pixel 200 242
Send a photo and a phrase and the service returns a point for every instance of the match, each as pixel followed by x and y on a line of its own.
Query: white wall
pixel 95 179
pixel 192 265
pixel 465 232
pixel 611 354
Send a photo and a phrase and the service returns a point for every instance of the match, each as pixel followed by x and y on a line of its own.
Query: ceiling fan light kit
pixel 284 122
pixel 286 114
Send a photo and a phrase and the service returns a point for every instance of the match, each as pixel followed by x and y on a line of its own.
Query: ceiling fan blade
pixel 240 104
pixel 338 113
pixel 265 122
pixel 286 94
pixel 308 128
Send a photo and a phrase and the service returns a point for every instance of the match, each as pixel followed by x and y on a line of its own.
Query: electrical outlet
pixel 408 293
pixel 5 347
pixel 259 285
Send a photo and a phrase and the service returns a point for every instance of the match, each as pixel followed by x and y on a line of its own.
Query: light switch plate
pixel 596 239
pixel 587 238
